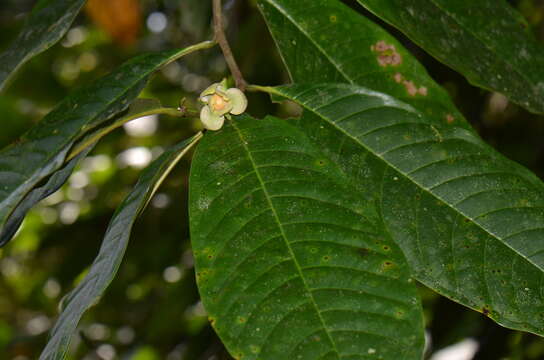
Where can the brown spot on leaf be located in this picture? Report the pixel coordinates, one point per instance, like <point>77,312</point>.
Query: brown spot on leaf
<point>387,265</point>
<point>411,88</point>
<point>382,46</point>
<point>450,119</point>
<point>387,54</point>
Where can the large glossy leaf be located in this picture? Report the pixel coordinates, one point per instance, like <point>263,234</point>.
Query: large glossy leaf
<point>291,263</point>
<point>46,146</point>
<point>470,222</point>
<point>485,40</point>
<point>305,34</point>
<point>326,41</point>
<point>103,270</point>
<point>46,24</point>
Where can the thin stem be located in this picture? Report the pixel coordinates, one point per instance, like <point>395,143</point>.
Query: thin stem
<point>258,88</point>
<point>221,39</point>
<point>190,49</point>
<point>99,133</point>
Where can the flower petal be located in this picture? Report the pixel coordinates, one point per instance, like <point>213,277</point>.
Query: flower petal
<point>205,99</point>
<point>210,90</point>
<point>211,121</point>
<point>238,100</point>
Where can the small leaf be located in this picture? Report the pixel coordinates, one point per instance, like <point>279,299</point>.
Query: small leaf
<point>47,145</point>
<point>291,263</point>
<point>106,264</point>
<point>469,221</point>
<point>485,40</point>
<point>47,23</point>
<point>325,41</point>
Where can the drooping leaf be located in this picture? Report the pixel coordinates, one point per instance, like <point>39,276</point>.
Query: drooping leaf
<point>111,253</point>
<point>139,108</point>
<point>37,194</point>
<point>291,263</point>
<point>487,41</point>
<point>46,146</point>
<point>326,41</point>
<point>47,23</point>
<point>469,221</point>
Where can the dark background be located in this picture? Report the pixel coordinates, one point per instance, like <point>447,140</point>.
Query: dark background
<point>152,309</point>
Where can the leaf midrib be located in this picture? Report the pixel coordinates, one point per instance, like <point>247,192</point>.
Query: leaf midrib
<point>284,236</point>
<point>396,169</point>
<point>303,31</point>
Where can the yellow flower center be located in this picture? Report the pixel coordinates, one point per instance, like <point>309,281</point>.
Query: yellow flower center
<point>218,103</point>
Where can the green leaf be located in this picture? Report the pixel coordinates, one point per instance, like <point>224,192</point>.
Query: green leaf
<point>306,37</point>
<point>326,41</point>
<point>485,40</point>
<point>469,221</point>
<point>291,263</point>
<point>38,194</point>
<point>46,147</point>
<point>103,270</point>
<point>46,25</point>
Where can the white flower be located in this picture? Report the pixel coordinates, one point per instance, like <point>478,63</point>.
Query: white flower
<point>220,102</point>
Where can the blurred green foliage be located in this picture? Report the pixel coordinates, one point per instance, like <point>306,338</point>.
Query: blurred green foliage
<point>152,309</point>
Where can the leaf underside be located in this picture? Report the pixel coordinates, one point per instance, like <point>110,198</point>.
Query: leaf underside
<point>306,33</point>
<point>46,25</point>
<point>290,262</point>
<point>111,253</point>
<point>469,221</point>
<point>487,41</point>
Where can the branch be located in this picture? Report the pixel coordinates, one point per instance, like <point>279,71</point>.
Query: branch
<point>221,39</point>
